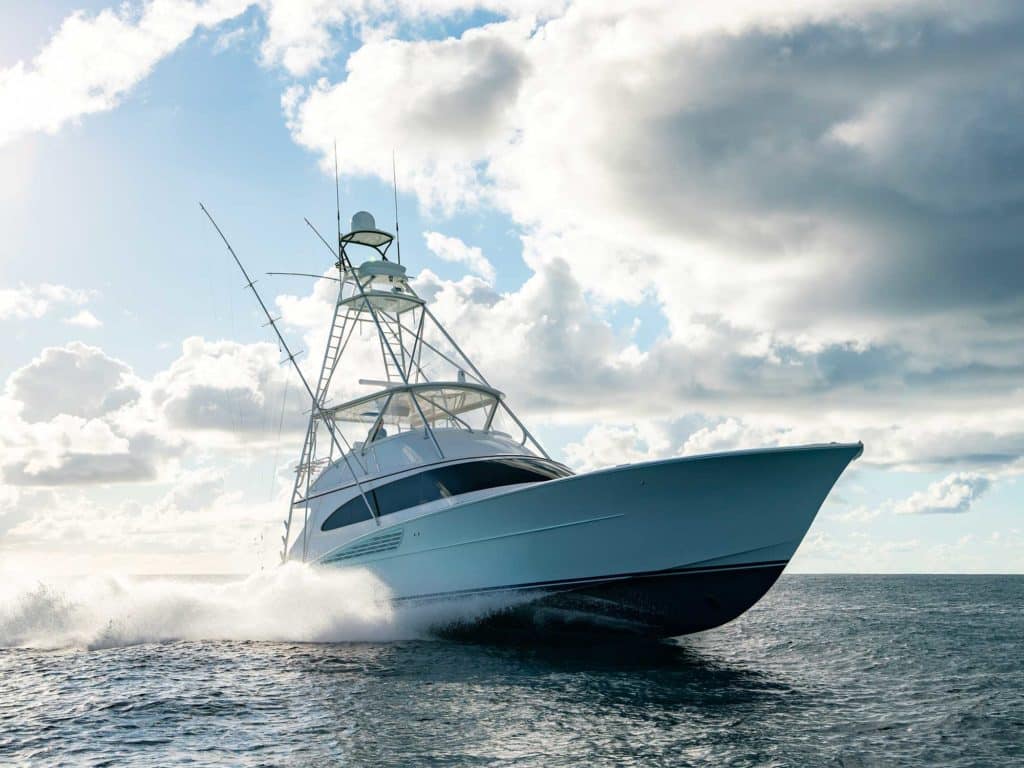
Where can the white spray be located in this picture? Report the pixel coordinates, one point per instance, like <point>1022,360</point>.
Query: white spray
<point>293,603</point>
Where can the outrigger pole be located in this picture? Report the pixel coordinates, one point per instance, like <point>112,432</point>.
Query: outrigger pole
<point>337,198</point>
<point>272,322</point>
<point>394,188</point>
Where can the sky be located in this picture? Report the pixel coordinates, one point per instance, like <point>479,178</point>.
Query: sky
<point>661,229</point>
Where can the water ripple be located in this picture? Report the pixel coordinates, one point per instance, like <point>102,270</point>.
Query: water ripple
<point>842,671</point>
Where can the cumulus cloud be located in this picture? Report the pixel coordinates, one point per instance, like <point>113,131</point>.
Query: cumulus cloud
<point>75,416</point>
<point>733,186</point>
<point>818,198</point>
<point>227,387</point>
<point>68,421</point>
<point>731,435</point>
<point>454,250</point>
<point>72,450</point>
<point>194,513</point>
<point>561,361</point>
<point>128,460</point>
<point>95,59</point>
<point>860,551</point>
<point>14,509</point>
<point>832,261</point>
<point>777,200</point>
<point>233,38</point>
<point>84,319</point>
<point>32,302</point>
<point>92,61</point>
<point>953,494</point>
<point>556,346</point>
<point>606,445</point>
<point>444,103</point>
<point>860,514</point>
<point>76,380</point>
<point>301,35</point>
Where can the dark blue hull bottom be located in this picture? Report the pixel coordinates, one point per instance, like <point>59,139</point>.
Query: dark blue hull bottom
<point>655,605</point>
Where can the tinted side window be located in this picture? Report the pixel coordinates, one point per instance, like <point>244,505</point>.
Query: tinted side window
<point>433,484</point>
<point>352,511</point>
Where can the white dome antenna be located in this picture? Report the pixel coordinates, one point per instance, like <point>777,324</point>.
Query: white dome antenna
<point>364,232</point>
<point>363,221</point>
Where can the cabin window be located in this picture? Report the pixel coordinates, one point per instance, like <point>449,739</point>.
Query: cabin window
<point>433,484</point>
<point>350,512</point>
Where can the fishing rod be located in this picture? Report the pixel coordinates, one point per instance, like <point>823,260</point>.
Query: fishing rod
<point>284,345</point>
<point>304,274</point>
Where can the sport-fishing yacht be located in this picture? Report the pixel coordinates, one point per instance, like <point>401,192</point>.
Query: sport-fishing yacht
<point>430,480</point>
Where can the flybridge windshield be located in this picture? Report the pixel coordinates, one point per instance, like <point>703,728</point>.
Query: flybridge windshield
<point>440,403</point>
<point>437,405</point>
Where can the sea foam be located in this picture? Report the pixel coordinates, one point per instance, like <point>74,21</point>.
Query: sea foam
<point>293,603</point>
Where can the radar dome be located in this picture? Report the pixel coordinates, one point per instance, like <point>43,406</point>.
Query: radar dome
<point>363,221</point>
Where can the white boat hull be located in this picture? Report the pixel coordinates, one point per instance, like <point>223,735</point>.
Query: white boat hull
<point>661,548</point>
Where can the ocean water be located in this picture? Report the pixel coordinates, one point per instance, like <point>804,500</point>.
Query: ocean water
<point>292,668</point>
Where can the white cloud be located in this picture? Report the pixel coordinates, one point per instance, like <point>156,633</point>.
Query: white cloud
<point>860,514</point>
<point>92,61</point>
<point>75,416</point>
<point>301,34</point>
<point>95,59</point>
<point>70,450</point>
<point>812,194</point>
<point>14,509</point>
<point>640,136</point>
<point>859,551</point>
<point>659,195</point>
<point>454,250</point>
<point>704,160</point>
<point>444,104</point>
<point>954,494</point>
<point>28,302</point>
<point>84,319</point>
<point>230,389</point>
<point>732,435</point>
<point>75,380</point>
<point>195,512</point>
<point>233,38</point>
<point>606,445</point>
<point>561,361</point>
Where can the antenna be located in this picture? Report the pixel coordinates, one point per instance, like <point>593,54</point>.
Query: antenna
<point>394,186</point>
<point>337,197</point>
<point>284,345</point>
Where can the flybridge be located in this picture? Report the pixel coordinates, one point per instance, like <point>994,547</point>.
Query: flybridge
<point>424,382</point>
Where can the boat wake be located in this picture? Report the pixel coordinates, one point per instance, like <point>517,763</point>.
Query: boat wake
<point>293,603</point>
